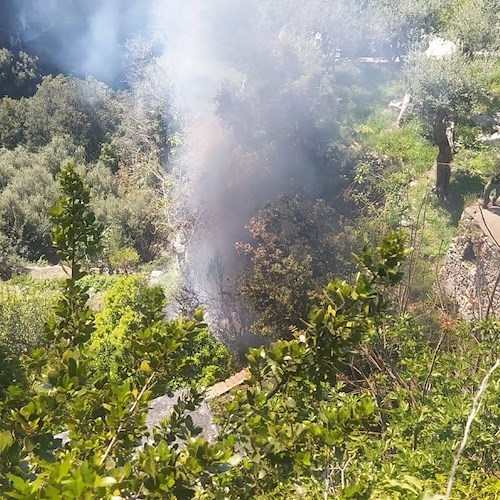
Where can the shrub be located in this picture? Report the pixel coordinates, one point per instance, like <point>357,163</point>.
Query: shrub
<point>11,371</point>
<point>295,250</point>
<point>23,315</point>
<point>23,211</point>
<point>124,259</point>
<point>127,308</point>
<point>82,109</point>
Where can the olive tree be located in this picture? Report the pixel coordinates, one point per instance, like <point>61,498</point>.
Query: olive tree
<point>17,71</point>
<point>445,90</point>
<point>399,25</point>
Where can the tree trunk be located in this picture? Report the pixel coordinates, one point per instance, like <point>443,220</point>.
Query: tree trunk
<point>443,137</point>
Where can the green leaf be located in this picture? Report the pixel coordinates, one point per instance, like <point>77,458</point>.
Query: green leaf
<point>6,440</point>
<point>306,458</point>
<point>17,482</point>
<point>105,482</point>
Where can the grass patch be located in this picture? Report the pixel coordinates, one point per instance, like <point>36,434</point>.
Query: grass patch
<point>99,282</point>
<point>442,216</point>
<point>481,161</point>
<point>404,144</point>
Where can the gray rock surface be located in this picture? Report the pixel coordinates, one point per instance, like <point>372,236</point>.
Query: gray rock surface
<point>161,407</point>
<point>468,277</point>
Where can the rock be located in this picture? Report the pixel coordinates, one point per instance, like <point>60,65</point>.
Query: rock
<point>490,139</point>
<point>161,408</point>
<point>155,276</point>
<point>468,277</point>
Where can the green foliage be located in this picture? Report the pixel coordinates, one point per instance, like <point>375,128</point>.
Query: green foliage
<point>451,84</point>
<point>482,161</point>
<point>23,211</point>
<point>133,216</point>
<point>125,259</point>
<point>380,191</point>
<point>475,25</point>
<point>105,419</point>
<point>75,231</point>
<point>427,403</point>
<point>12,130</point>
<point>127,307</point>
<point>401,24</point>
<point>306,425</point>
<point>27,190</point>
<point>82,109</point>
<point>16,71</point>
<point>294,420</point>
<point>10,263</point>
<point>99,282</point>
<point>355,403</point>
<point>23,316</point>
<point>207,362</point>
<point>404,144</point>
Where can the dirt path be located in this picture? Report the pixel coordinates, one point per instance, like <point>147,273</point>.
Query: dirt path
<point>488,219</point>
<point>47,272</point>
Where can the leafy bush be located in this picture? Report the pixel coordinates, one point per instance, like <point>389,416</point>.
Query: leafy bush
<point>295,249</point>
<point>127,308</point>
<point>24,203</point>
<point>10,263</point>
<point>133,216</point>
<point>124,259</point>
<point>23,314</point>
<point>100,282</point>
<point>82,109</point>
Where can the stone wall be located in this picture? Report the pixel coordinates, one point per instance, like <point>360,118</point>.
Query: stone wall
<point>470,272</point>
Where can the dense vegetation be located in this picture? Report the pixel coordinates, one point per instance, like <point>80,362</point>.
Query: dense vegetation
<point>327,214</point>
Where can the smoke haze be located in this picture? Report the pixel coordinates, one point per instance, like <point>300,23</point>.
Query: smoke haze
<point>251,79</point>
<point>75,36</point>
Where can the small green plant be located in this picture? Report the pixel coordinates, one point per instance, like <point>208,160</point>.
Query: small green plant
<point>124,259</point>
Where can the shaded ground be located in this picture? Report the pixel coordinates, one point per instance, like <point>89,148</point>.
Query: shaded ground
<point>464,185</point>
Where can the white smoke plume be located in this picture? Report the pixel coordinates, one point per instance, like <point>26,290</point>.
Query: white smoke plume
<point>252,80</point>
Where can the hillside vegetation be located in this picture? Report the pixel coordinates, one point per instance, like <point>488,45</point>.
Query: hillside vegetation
<point>275,190</point>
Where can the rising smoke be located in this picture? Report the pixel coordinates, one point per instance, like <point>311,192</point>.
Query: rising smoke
<point>75,36</point>
<point>254,86</point>
<point>252,79</point>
